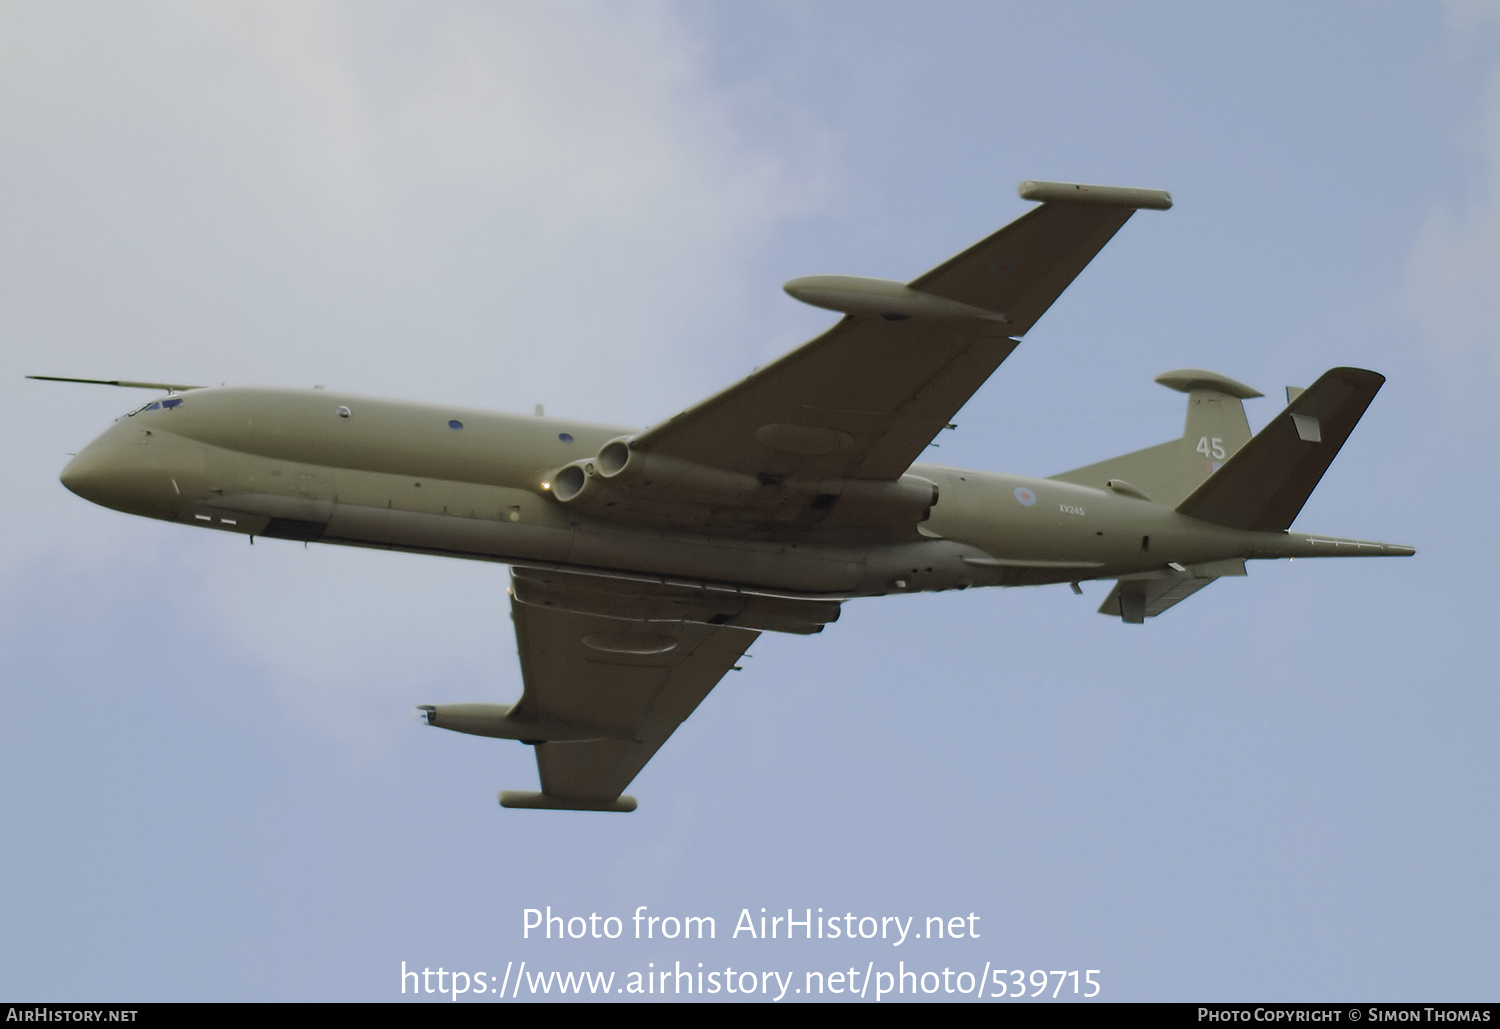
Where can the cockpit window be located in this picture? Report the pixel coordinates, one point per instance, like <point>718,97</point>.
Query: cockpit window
<point>157,405</point>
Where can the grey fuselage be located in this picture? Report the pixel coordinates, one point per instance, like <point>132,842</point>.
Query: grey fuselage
<point>323,466</point>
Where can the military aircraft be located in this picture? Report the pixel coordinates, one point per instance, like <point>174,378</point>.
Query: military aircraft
<point>644,564</point>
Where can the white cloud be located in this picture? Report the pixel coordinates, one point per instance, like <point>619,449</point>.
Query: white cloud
<point>1465,16</point>
<point>496,205</point>
<point>1449,286</point>
<point>468,196</point>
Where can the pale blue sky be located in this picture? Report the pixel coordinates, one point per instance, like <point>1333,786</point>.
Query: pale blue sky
<point>1283,789</point>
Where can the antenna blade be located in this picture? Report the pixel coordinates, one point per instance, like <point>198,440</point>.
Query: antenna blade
<point>170,387</point>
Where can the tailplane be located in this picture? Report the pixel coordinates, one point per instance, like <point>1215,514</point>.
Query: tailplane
<point>1138,597</point>
<point>1167,473</point>
<point>1261,488</point>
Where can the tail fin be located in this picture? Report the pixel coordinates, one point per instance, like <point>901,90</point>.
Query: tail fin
<point>1167,473</point>
<point>1265,485</point>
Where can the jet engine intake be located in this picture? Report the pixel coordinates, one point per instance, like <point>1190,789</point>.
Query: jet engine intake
<point>621,475</point>
<point>572,480</point>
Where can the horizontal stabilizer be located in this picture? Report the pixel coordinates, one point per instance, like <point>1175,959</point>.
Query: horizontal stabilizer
<point>1264,486</point>
<point>1135,600</point>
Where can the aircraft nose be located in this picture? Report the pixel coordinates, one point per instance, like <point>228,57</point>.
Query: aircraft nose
<point>131,471</point>
<point>87,476</point>
<point>122,478</point>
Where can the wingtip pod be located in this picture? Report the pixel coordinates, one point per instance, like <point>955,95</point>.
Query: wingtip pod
<point>1113,196</point>
<point>541,802</point>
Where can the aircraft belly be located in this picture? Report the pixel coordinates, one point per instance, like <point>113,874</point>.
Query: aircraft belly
<point>259,495</point>
<point>1066,533</point>
<point>447,534</point>
<point>986,529</point>
<point>791,569</point>
<point>680,555</point>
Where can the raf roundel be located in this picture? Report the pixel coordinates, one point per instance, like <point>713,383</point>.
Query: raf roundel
<point>1024,496</point>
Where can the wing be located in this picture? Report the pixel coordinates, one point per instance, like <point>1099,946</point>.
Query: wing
<point>863,400</point>
<point>630,680</point>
